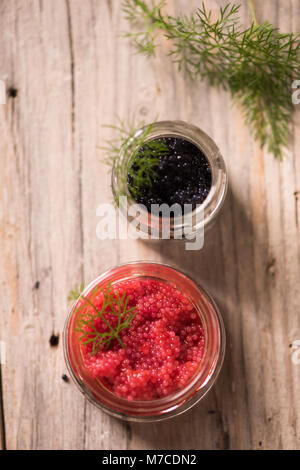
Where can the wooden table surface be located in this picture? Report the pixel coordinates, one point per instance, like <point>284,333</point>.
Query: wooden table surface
<point>72,72</point>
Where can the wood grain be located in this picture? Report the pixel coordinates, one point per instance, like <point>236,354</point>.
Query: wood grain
<point>73,73</point>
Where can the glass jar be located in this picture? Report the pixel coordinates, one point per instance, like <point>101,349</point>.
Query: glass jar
<point>196,387</point>
<point>205,214</point>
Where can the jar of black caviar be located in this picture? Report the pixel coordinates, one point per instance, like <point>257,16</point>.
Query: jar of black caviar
<point>175,165</point>
<point>169,358</point>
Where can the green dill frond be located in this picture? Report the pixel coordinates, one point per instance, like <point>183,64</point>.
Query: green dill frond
<point>257,64</point>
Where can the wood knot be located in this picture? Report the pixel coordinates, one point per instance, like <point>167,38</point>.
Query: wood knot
<point>271,267</point>
<point>144,111</point>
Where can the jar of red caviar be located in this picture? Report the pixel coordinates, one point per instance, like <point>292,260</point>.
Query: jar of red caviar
<point>193,172</point>
<point>171,353</point>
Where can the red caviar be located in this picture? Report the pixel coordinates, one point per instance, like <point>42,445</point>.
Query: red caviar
<point>163,345</point>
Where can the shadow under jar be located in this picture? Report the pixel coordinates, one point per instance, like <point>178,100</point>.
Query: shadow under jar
<point>172,351</point>
<point>193,168</point>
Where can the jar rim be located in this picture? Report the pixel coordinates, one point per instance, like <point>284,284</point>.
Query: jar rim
<point>177,402</point>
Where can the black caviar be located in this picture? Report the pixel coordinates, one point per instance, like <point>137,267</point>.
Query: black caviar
<point>182,175</point>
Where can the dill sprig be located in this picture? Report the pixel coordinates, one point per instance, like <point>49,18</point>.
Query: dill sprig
<point>257,64</point>
<point>133,156</point>
<point>113,303</point>
<point>75,293</point>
